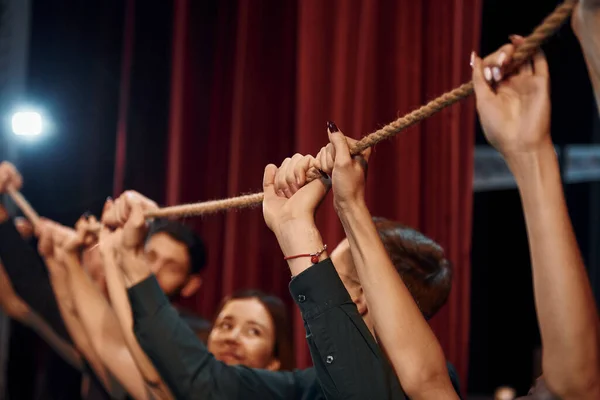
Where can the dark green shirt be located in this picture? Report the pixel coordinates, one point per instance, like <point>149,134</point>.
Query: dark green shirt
<point>348,364</point>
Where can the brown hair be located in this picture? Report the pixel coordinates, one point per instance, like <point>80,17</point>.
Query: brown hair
<point>282,350</point>
<point>420,262</point>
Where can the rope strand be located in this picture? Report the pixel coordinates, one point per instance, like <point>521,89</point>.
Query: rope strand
<point>546,29</point>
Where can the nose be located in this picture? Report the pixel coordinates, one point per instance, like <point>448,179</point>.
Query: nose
<point>233,335</point>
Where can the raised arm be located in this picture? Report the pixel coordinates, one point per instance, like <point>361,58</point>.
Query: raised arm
<point>182,360</point>
<point>64,298</point>
<point>96,316</point>
<point>516,119</point>
<point>119,302</point>
<point>411,346</point>
<point>586,25</point>
<point>17,309</point>
<point>334,326</point>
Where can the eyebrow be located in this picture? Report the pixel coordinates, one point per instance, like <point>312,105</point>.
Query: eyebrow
<point>231,318</point>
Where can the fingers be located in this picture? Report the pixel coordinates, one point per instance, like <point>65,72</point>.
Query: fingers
<point>495,64</point>
<point>516,40</point>
<point>45,243</point>
<point>9,177</point>
<point>117,213</point>
<point>365,154</point>
<point>300,170</point>
<point>540,64</point>
<point>483,91</point>
<point>290,176</point>
<point>24,227</point>
<point>280,181</point>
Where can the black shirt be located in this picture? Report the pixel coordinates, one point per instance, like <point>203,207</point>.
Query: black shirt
<point>348,362</point>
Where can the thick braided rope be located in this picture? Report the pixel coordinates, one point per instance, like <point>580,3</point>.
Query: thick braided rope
<point>546,29</point>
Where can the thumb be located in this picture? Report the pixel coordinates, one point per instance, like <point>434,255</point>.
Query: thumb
<point>483,91</point>
<point>134,230</point>
<point>269,180</point>
<point>340,146</point>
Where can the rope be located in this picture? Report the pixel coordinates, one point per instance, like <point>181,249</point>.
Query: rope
<point>545,30</point>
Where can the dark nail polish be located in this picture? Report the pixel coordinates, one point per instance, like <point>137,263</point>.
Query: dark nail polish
<point>86,215</point>
<point>109,198</point>
<point>332,127</point>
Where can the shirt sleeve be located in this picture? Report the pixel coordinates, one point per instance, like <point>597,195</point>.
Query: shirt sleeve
<point>187,366</point>
<point>348,362</point>
<point>29,277</point>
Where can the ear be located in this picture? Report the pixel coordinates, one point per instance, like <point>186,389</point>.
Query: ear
<point>192,286</point>
<point>274,365</point>
<point>361,303</point>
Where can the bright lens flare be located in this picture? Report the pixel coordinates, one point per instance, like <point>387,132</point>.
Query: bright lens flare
<point>27,123</point>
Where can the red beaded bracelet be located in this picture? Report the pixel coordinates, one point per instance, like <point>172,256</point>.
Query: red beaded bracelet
<point>314,257</point>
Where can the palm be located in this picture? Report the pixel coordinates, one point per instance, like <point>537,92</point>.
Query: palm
<point>517,117</point>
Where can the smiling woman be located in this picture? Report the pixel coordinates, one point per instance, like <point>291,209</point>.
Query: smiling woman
<point>252,329</point>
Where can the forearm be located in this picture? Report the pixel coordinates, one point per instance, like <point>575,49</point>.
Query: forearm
<point>122,308</point>
<point>62,348</point>
<point>101,326</point>
<point>587,29</point>
<point>82,342</point>
<point>412,347</point>
<point>297,237</point>
<point>564,300</point>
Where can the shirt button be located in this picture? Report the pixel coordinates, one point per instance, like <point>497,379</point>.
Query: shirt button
<point>301,298</point>
<point>329,359</point>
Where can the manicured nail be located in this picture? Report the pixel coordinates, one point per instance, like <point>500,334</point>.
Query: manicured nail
<point>109,198</point>
<point>332,127</point>
<point>501,59</point>
<point>472,62</point>
<point>86,215</point>
<point>497,74</point>
<point>487,74</point>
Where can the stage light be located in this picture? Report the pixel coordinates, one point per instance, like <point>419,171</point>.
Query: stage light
<point>27,123</point>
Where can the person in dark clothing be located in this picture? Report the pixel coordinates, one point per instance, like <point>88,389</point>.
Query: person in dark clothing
<point>342,346</point>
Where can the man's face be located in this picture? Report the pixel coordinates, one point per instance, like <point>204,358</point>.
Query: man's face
<point>169,260</point>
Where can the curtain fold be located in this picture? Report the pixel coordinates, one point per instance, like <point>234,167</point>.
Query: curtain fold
<point>254,82</point>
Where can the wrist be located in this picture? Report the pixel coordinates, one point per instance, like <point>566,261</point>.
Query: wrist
<point>346,209</point>
<point>300,237</point>
<point>134,267</point>
<point>522,163</point>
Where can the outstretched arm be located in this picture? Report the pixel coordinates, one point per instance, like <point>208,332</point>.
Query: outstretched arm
<point>119,301</point>
<point>586,25</point>
<point>516,119</point>
<point>17,309</point>
<point>409,342</point>
<point>93,310</point>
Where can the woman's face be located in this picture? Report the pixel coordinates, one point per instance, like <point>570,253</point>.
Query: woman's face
<point>244,334</point>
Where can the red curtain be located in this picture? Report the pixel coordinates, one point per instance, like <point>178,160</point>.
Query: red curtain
<point>255,81</point>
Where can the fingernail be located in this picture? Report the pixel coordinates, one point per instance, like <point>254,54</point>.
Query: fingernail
<point>501,59</point>
<point>487,74</point>
<point>497,74</point>
<point>332,127</point>
<point>86,215</point>
<point>109,198</point>
<point>512,37</point>
<point>472,62</point>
